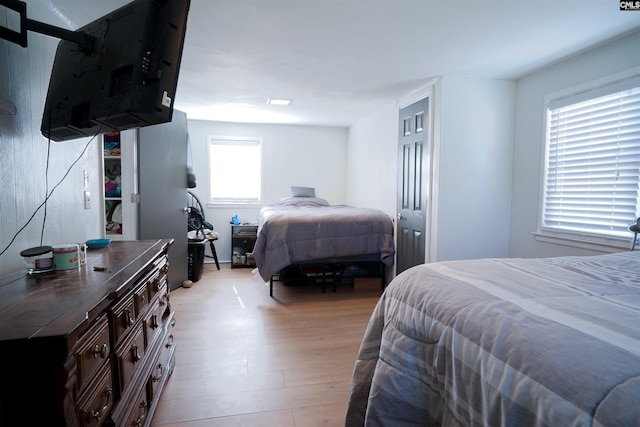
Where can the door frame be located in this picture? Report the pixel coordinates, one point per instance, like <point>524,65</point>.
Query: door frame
<point>431,90</point>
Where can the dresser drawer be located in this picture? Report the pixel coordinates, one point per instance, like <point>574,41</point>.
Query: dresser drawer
<point>92,351</point>
<point>123,317</point>
<point>165,362</point>
<point>153,323</point>
<point>156,283</point>
<point>168,346</point>
<point>139,415</point>
<point>141,298</point>
<point>96,404</point>
<point>157,378</point>
<point>159,288</point>
<point>129,356</point>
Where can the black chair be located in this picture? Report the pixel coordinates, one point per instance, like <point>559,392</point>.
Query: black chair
<point>198,227</point>
<point>635,229</point>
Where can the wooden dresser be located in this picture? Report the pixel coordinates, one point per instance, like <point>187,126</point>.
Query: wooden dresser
<point>89,348</point>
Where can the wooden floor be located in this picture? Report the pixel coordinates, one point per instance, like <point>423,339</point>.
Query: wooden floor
<point>245,359</point>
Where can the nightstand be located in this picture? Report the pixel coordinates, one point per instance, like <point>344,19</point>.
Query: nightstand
<point>243,239</point>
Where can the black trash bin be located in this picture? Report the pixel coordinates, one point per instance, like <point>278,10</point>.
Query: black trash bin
<point>195,258</point>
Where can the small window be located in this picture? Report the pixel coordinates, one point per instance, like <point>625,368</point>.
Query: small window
<point>235,170</point>
<point>592,163</point>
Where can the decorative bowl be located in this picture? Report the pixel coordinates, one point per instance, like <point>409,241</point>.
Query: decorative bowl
<point>97,243</point>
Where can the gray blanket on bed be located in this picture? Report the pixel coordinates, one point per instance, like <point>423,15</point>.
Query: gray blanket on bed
<point>301,230</point>
<point>504,342</point>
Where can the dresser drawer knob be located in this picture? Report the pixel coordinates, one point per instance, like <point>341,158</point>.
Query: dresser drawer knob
<point>140,420</point>
<point>101,351</point>
<point>97,415</point>
<point>164,299</point>
<point>169,341</point>
<point>154,321</point>
<point>158,377</point>
<point>136,355</point>
<point>128,317</point>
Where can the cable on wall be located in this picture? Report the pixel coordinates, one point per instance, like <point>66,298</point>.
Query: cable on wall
<point>49,194</point>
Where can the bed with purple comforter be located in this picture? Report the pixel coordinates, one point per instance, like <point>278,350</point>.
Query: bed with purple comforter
<point>302,229</point>
<point>504,342</point>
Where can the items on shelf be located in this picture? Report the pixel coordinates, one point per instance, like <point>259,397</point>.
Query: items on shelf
<point>113,215</point>
<point>111,144</point>
<point>113,181</point>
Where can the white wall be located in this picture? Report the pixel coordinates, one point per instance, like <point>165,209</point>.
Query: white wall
<point>24,77</point>
<point>529,135</point>
<point>308,156</point>
<point>372,162</point>
<point>472,137</point>
<point>479,125</point>
<point>473,175</point>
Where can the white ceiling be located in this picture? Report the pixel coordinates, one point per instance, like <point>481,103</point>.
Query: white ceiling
<point>339,59</point>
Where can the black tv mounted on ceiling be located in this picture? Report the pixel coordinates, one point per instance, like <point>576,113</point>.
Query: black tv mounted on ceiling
<point>118,72</point>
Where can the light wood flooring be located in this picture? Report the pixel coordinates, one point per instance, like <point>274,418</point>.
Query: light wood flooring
<point>245,359</point>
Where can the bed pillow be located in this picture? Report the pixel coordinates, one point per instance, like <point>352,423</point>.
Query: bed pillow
<point>303,201</point>
<point>303,191</point>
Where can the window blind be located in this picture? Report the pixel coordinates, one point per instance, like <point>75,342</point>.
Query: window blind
<point>592,176</point>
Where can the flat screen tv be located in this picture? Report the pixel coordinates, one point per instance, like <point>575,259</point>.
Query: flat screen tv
<point>127,80</point>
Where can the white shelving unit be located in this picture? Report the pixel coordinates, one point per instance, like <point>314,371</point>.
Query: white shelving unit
<point>120,185</point>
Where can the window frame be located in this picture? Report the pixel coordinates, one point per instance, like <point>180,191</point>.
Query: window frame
<point>581,239</point>
<point>234,202</point>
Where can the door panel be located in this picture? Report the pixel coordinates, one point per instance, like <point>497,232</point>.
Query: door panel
<point>413,175</point>
<point>162,154</point>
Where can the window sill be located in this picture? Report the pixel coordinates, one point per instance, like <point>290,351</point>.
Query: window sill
<point>219,205</point>
<point>611,245</point>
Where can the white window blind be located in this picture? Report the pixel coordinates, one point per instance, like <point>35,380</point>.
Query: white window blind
<point>592,174</point>
<point>235,170</point>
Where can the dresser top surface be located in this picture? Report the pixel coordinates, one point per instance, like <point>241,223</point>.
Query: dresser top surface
<point>58,303</point>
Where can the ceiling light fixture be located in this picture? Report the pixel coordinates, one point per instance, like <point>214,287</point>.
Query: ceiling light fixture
<point>277,101</point>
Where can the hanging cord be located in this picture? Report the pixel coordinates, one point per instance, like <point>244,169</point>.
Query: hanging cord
<point>46,178</point>
<point>49,195</point>
<point>46,187</point>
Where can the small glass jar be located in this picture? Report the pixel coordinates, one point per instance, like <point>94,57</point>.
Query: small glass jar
<point>38,259</point>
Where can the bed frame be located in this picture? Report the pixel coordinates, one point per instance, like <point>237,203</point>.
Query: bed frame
<point>327,271</point>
